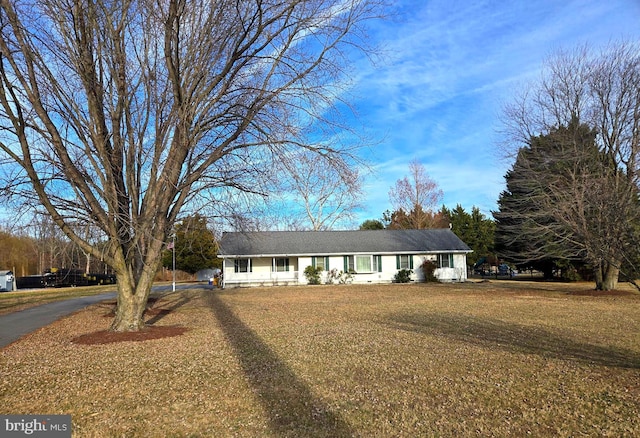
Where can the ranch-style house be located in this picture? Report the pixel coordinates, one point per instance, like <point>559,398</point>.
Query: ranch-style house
<point>368,256</point>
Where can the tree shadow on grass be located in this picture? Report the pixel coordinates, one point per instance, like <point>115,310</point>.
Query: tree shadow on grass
<point>292,408</point>
<point>496,334</point>
<point>170,302</point>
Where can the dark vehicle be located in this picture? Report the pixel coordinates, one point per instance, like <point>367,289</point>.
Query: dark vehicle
<point>74,277</point>
<point>65,278</point>
<point>482,267</point>
<point>30,282</point>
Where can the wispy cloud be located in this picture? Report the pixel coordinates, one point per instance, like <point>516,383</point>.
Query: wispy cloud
<point>449,66</point>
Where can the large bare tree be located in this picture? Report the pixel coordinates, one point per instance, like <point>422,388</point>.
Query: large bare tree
<point>324,193</point>
<point>414,199</point>
<point>122,112</point>
<point>594,210</point>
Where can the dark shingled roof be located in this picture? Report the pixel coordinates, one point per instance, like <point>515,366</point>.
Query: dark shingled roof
<point>271,243</point>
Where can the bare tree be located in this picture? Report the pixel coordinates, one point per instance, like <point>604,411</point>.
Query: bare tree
<point>124,112</point>
<point>599,211</point>
<point>596,210</point>
<point>50,240</point>
<point>415,198</point>
<point>325,191</point>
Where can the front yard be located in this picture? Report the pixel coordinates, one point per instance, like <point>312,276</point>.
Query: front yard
<point>476,359</point>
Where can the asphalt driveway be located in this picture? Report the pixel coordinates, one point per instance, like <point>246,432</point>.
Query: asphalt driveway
<point>17,324</point>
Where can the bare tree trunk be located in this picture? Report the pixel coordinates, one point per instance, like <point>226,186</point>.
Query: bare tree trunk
<point>607,276</point>
<point>130,309</point>
<point>610,281</point>
<point>133,292</point>
<point>599,276</point>
<point>87,266</point>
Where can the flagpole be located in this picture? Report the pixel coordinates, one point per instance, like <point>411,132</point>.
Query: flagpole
<point>173,249</point>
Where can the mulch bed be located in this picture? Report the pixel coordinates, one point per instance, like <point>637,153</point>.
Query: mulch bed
<point>148,333</point>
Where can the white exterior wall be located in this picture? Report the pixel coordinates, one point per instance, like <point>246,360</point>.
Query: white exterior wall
<point>337,263</point>
<point>457,273</point>
<point>303,262</point>
<point>460,266</point>
<point>263,275</point>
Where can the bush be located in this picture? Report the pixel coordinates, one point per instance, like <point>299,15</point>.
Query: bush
<point>339,277</point>
<point>428,268</point>
<point>312,274</point>
<point>403,276</point>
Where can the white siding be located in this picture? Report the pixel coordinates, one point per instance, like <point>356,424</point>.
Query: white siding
<point>262,273</point>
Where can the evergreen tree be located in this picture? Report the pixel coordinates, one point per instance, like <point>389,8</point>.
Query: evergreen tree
<point>579,196</point>
<point>562,206</point>
<point>474,228</point>
<point>195,246</point>
<point>372,224</point>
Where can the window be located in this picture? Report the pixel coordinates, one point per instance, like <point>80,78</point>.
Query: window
<point>242,265</point>
<point>280,265</point>
<point>320,262</point>
<point>349,266</point>
<point>445,260</point>
<point>362,264</point>
<point>404,262</point>
<point>377,263</point>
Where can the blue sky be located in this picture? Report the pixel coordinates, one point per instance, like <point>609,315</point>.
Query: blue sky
<point>449,67</point>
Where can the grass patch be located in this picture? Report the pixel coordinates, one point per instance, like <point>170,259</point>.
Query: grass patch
<point>488,359</point>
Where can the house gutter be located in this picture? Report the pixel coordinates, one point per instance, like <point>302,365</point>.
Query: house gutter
<point>235,256</point>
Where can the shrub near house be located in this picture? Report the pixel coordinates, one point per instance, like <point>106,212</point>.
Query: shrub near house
<point>312,274</point>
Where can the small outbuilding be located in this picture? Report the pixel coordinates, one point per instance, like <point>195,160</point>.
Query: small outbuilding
<point>368,256</point>
<point>7,281</point>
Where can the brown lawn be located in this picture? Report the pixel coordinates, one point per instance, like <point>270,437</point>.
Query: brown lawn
<point>497,358</point>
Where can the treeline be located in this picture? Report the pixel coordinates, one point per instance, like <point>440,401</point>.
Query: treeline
<point>48,249</point>
<point>26,255</point>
